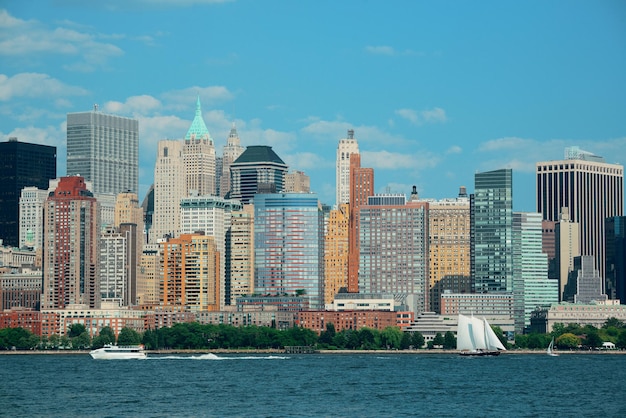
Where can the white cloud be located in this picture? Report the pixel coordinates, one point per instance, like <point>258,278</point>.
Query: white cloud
<point>420,117</point>
<point>385,160</point>
<point>35,85</point>
<point>380,50</point>
<point>333,131</point>
<point>454,149</point>
<point>306,161</point>
<point>185,98</point>
<point>134,105</point>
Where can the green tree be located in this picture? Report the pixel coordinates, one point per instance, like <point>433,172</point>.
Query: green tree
<point>449,341</point>
<point>326,336</point>
<point>417,340</point>
<point>391,337</point>
<point>74,330</point>
<point>128,336</point>
<point>613,322</point>
<point>567,340</point>
<point>405,343</point>
<point>81,342</point>
<point>621,340</point>
<point>593,340</point>
<point>106,336</point>
<point>438,340</point>
<point>558,329</point>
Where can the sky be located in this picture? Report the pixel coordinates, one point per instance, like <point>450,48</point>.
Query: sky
<point>435,91</point>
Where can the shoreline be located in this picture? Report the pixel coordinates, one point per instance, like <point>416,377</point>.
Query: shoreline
<point>342,352</point>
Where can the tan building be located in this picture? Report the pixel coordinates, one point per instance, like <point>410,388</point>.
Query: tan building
<point>150,275</point>
<point>449,248</point>
<point>169,188</point>
<point>297,182</point>
<point>477,304</point>
<point>199,156</point>
<point>336,252</point>
<point>240,255</point>
<point>57,321</point>
<point>581,314</point>
<point>191,265</point>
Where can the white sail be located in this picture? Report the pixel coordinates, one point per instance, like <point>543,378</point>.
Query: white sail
<point>492,340</point>
<point>464,336</point>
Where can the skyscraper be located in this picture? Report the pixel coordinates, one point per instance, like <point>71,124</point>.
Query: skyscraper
<point>393,245</point>
<point>239,279</point>
<point>361,187</point>
<point>491,226</point>
<point>257,170</point>
<point>71,265</point>
<point>616,258</point>
<point>104,149</point>
<point>289,246</point>
<point>567,246</point>
<point>199,156</point>
<point>336,252</point>
<point>346,147</point>
<point>232,151</point>
<point>531,286</point>
<point>21,165</point>
<point>169,189</point>
<point>590,188</point>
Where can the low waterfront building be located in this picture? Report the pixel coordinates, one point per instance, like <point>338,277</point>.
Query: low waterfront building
<point>342,320</point>
<point>58,321</point>
<point>26,318</point>
<point>595,314</point>
<point>273,319</point>
<point>477,304</point>
<point>362,302</point>
<point>20,288</point>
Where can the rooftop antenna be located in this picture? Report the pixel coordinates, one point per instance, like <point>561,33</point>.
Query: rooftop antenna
<point>95,107</point>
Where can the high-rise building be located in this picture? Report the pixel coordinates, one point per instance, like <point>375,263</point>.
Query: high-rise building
<point>336,252</point>
<point>104,149</point>
<point>361,187</point>
<point>257,170</point>
<point>346,147</point>
<point>615,229</point>
<point>150,275</point>
<point>289,246</point>
<point>210,215</point>
<point>22,165</point>
<point>393,245</point>
<point>239,278</point>
<point>567,246</point>
<point>590,188</point>
<point>449,248</point>
<point>32,201</point>
<point>297,182</point>
<point>584,284</point>
<point>71,264</point>
<point>531,286</point>
<point>169,189</point>
<point>491,226</point>
<point>191,273</point>
<point>199,156</point>
<point>118,264</point>
<point>232,151</point>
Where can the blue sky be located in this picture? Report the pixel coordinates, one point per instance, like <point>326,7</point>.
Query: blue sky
<point>435,91</point>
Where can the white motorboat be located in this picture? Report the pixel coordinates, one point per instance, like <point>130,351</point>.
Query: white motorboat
<point>115,352</point>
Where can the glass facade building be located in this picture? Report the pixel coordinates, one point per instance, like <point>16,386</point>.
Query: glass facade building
<point>257,170</point>
<point>289,246</point>
<point>491,236</point>
<point>104,149</point>
<point>616,258</point>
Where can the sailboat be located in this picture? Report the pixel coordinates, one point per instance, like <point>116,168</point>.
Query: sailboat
<point>474,337</point>
<point>550,350</point>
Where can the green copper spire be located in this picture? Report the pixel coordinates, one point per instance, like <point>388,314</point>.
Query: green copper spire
<point>198,129</point>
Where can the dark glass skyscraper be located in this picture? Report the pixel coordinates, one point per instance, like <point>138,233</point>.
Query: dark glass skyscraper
<point>257,170</point>
<point>491,236</point>
<point>22,165</point>
<point>615,244</point>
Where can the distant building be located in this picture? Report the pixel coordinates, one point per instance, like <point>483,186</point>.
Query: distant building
<point>297,182</point>
<point>584,284</point>
<point>20,288</point>
<point>257,170</point>
<point>32,201</point>
<point>22,165</point>
<point>71,264</point>
<point>239,271</point>
<point>169,188</point>
<point>615,228</point>
<point>491,217</point>
<point>590,188</point>
<point>336,252</point>
<point>477,304</point>
<point>104,149</point>
<point>232,151</point>
<point>150,275</point>
<point>595,314</point>
<point>199,157</point>
<point>345,148</point>
<point>344,320</point>
<point>567,247</point>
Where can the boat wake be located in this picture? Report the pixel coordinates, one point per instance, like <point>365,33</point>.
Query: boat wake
<point>211,356</point>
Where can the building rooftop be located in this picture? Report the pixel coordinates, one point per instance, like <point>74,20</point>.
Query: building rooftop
<point>258,154</point>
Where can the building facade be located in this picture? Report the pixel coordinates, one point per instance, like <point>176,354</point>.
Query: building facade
<point>289,246</point>
<point>336,252</point>
<point>491,224</point>
<point>239,278</point>
<point>104,149</point>
<point>71,263</point>
<point>590,188</point>
<point>32,201</point>
<point>297,182</point>
<point>22,165</point>
<point>257,170</point>
<point>615,269</point>
<point>232,151</point>
<point>345,148</point>
<point>169,188</point>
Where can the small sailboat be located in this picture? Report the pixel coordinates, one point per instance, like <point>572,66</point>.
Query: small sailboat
<point>550,350</point>
<point>474,337</point>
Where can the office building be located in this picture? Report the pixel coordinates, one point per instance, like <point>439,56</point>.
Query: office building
<point>199,157</point>
<point>71,263</point>
<point>615,229</point>
<point>104,149</point>
<point>32,201</point>
<point>361,187</point>
<point>590,188</point>
<point>289,246</point>
<point>491,226</point>
<point>232,151</point>
<point>531,286</point>
<point>346,147</point>
<point>567,246</point>
<point>150,275</point>
<point>257,170</point>
<point>297,182</point>
<point>585,285</point>
<point>169,188</point>
<point>239,276</point>
<point>393,246</point>
<point>118,265</point>
<point>22,165</point>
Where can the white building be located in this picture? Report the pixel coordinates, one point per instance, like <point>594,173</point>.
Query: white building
<point>232,151</point>
<point>346,147</point>
<point>32,200</point>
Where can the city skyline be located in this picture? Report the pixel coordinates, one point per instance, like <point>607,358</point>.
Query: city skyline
<point>434,93</point>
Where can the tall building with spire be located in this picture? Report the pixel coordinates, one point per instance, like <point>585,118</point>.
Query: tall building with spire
<point>592,190</point>
<point>232,151</point>
<point>346,147</point>
<point>104,149</point>
<point>199,156</point>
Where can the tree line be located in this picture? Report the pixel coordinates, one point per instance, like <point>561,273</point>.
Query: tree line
<point>198,336</point>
